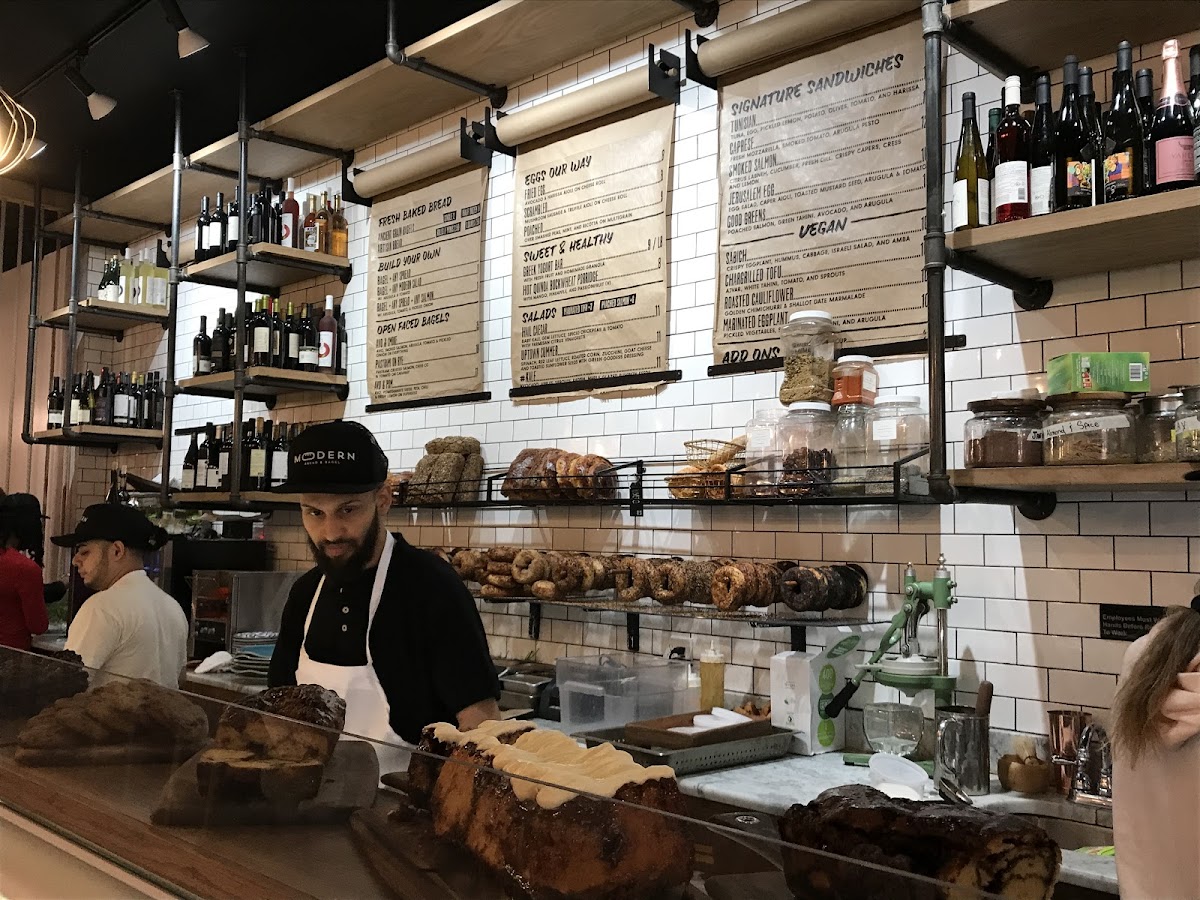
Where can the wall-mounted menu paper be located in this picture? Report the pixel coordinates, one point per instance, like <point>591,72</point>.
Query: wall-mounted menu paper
<point>589,287</point>
<point>823,197</point>
<point>423,291</point>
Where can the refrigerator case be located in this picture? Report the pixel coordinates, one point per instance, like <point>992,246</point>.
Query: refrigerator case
<point>231,610</point>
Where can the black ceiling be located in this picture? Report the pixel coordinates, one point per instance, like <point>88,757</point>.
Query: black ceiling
<point>295,48</point>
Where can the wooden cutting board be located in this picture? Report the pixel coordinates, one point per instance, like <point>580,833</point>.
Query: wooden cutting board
<point>348,784</point>
<point>107,755</point>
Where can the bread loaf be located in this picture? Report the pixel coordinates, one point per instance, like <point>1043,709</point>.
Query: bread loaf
<point>298,723</point>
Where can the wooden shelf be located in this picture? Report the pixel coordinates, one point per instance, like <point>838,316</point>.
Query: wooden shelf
<point>1008,25</point>
<point>1166,477</point>
<point>98,436</point>
<point>105,317</point>
<point>270,268</point>
<point>1139,232</point>
<point>265,383</point>
<point>250,500</point>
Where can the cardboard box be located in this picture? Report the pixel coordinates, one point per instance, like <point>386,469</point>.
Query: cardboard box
<point>1124,372</point>
<point>802,684</point>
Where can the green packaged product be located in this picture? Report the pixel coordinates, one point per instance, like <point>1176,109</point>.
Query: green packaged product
<point>1071,373</point>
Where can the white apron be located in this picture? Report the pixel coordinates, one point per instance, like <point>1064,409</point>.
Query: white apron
<point>367,705</point>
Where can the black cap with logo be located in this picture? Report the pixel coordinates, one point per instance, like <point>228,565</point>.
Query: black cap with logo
<point>335,458</point>
<point>110,522</point>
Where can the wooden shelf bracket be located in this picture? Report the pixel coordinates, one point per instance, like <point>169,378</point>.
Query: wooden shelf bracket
<point>1029,293</point>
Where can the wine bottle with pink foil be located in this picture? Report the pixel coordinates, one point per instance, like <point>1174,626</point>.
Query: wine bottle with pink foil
<point>1171,133</point>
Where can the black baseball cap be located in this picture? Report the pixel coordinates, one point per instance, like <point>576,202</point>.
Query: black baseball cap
<point>110,522</point>
<point>335,458</point>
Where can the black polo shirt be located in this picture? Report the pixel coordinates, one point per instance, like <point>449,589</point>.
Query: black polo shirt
<point>427,641</point>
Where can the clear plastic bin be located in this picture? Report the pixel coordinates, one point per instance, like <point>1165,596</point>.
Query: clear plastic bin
<point>613,689</point>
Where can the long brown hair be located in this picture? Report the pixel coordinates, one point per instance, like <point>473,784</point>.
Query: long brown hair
<point>1140,696</point>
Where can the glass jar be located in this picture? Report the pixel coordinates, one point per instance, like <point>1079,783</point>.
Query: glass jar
<point>850,448</point>
<point>1187,426</point>
<point>855,381</point>
<point>806,442</point>
<point>1003,432</point>
<point>763,456</point>
<point>899,428</point>
<point>1155,428</point>
<point>1088,429</point>
<point>808,342</point>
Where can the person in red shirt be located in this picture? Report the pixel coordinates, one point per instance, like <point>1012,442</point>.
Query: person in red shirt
<point>22,599</point>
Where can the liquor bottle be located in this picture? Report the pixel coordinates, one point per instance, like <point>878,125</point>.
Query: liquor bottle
<point>290,233</point>
<point>223,457</point>
<point>202,231</point>
<point>971,201</point>
<point>260,334</point>
<point>54,404</point>
<point>1010,181</point>
<point>278,347</point>
<point>1041,162</point>
<point>1171,133</point>
<point>233,221</point>
<point>343,346</point>
<point>311,232</point>
<point>1194,97</point>
<point>217,227</point>
<point>339,229</point>
<point>279,456</point>
<point>1091,121</point>
<point>309,351</point>
<point>327,338</point>
<point>128,280</point>
<point>122,403</point>
<point>1144,86</point>
<point>1124,139</point>
<point>254,449</point>
<point>202,458</point>
<point>202,350</point>
<point>291,333</point>
<point>1072,149</point>
<point>160,400</point>
<point>109,287</point>
<point>220,345</point>
<point>187,481</point>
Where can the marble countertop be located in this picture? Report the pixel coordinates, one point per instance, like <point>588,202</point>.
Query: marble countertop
<point>50,642</point>
<point>225,680</point>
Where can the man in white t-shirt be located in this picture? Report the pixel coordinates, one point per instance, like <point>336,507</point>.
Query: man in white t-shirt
<point>130,627</point>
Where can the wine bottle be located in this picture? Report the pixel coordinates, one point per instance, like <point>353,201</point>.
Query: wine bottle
<point>343,350</point>
<point>54,404</point>
<point>1144,87</point>
<point>101,410</point>
<point>339,229</point>
<point>1072,168</point>
<point>1041,163</point>
<point>213,481</point>
<point>76,400</point>
<point>1088,107</point>
<point>1010,182</point>
<point>327,337</point>
<point>1171,133</point>
<point>260,334</point>
<point>202,458</point>
<point>274,214</point>
<point>278,347</point>
<point>233,221</point>
<point>145,278</point>
<point>220,345</point>
<point>202,350</point>
<point>202,231</point>
<point>289,226</point>
<point>85,400</point>
<point>971,199</point>
<point>216,227</point>
<point>257,228</point>
<point>224,455</point>
<point>137,398</point>
<point>312,234</point>
<point>1124,139</point>
<point>187,481</point>
<point>324,222</point>
<point>160,400</point>
<point>309,352</point>
<point>254,449</point>
<point>109,288</point>
<point>1194,97</point>
<point>990,154</point>
<point>292,340</point>
<point>279,456</point>
<point>127,292</point>
<point>122,403</point>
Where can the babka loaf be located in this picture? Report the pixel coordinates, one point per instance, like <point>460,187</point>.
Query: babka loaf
<point>440,739</point>
<point>31,682</point>
<point>530,811</point>
<point>958,845</point>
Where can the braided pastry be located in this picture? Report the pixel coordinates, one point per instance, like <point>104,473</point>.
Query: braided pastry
<point>529,566</point>
<point>669,583</point>
<point>632,578</point>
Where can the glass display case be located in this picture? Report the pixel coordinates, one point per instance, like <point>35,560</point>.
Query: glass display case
<point>201,798</point>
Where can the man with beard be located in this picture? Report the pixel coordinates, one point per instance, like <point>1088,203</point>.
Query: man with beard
<point>389,627</point>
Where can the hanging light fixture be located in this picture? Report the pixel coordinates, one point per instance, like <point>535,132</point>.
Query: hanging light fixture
<point>189,41</point>
<point>99,105</point>
<point>18,133</point>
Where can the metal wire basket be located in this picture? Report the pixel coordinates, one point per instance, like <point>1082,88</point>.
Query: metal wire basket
<point>713,451</point>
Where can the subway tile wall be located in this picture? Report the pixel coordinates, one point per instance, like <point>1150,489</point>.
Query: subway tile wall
<point>1027,615</point>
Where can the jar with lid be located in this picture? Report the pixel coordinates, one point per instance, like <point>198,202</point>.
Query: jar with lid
<point>763,456</point>
<point>1003,432</point>
<point>899,428</point>
<point>806,442</point>
<point>855,381</point>
<point>1155,427</point>
<point>850,448</point>
<point>808,339</point>
<point>1187,425</point>
<point>1087,429</point>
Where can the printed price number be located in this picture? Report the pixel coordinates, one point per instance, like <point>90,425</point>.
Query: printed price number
<point>757,354</point>
<point>654,243</point>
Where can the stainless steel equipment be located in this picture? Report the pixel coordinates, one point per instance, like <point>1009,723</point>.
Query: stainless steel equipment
<point>1092,784</point>
<point>1066,728</point>
<point>698,759</point>
<point>962,755</point>
<point>231,610</point>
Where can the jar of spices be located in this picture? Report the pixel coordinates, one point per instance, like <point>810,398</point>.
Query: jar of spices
<point>899,429</point>
<point>1187,426</point>
<point>808,339</point>
<point>806,442</point>
<point>1004,432</point>
<point>850,447</point>
<point>1087,429</point>
<point>1155,427</point>
<point>763,456</point>
<point>855,380</point>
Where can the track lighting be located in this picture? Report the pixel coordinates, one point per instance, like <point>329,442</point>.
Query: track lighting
<point>99,105</point>
<point>189,41</point>
<point>18,130</point>
<point>36,147</point>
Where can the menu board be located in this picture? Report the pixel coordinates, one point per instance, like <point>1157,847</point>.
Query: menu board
<point>823,197</point>
<point>589,295</point>
<point>423,291</point>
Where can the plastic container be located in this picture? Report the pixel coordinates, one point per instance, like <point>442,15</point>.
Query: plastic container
<point>763,456</point>
<point>1088,429</point>
<point>809,340</point>
<point>1004,432</point>
<point>855,381</point>
<point>899,427</point>
<point>1187,426</point>
<point>613,689</point>
<point>712,678</point>
<point>1156,428</point>
<point>851,436</point>
<point>806,443</point>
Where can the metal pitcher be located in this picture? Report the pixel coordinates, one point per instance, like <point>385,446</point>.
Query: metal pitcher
<point>963,752</point>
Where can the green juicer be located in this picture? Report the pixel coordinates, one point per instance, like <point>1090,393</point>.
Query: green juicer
<point>898,662</point>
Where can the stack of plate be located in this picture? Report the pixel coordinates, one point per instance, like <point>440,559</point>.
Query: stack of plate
<point>252,662</point>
